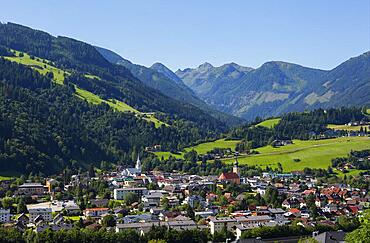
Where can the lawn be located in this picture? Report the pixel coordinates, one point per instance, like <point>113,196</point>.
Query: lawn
<point>345,127</point>
<point>38,64</point>
<point>202,148</point>
<point>73,218</point>
<point>270,123</point>
<point>312,153</point>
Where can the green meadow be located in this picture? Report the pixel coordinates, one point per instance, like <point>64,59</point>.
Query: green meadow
<point>270,123</point>
<point>3,178</point>
<point>202,148</point>
<point>38,64</point>
<point>116,105</point>
<point>311,153</point>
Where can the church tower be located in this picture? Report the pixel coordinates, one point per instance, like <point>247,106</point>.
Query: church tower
<point>236,169</point>
<point>138,164</point>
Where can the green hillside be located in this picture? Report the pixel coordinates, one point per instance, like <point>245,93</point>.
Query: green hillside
<point>270,123</point>
<point>44,67</point>
<point>311,153</point>
<point>117,105</point>
<point>202,148</point>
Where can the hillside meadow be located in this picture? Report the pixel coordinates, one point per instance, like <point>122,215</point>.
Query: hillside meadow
<point>311,153</point>
<point>270,123</point>
<point>202,148</point>
<point>345,127</point>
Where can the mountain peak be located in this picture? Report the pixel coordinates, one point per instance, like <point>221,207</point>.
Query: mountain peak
<point>205,66</point>
<point>158,65</point>
<point>162,69</point>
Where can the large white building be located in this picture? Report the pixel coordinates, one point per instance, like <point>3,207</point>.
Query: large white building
<point>46,214</point>
<point>5,215</point>
<point>119,193</point>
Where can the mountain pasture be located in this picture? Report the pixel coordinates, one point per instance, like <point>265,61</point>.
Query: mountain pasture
<point>302,154</point>
<point>41,65</point>
<point>202,148</point>
<point>270,123</point>
<point>345,127</point>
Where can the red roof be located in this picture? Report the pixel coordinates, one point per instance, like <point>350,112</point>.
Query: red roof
<point>295,210</point>
<point>228,176</point>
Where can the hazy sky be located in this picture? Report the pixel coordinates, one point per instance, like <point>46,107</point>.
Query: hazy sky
<point>180,34</point>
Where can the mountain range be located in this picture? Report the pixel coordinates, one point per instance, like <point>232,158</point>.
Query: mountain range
<point>273,89</point>
<point>161,78</point>
<point>279,87</point>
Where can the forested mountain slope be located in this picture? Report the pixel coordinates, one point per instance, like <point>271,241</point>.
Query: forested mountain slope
<point>66,105</point>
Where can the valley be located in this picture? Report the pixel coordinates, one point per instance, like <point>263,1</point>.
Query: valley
<point>96,148</point>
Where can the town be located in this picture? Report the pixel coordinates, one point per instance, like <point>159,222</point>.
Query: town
<point>226,205</point>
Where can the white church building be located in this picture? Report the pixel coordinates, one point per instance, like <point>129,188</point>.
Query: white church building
<point>133,171</point>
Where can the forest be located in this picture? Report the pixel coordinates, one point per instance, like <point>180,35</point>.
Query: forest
<point>45,128</point>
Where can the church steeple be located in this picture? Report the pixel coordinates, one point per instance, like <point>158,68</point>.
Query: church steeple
<point>236,166</point>
<point>138,163</point>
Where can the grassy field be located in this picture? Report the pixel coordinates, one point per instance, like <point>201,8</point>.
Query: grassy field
<point>3,178</point>
<point>270,123</point>
<point>38,64</point>
<point>116,105</point>
<point>312,154</point>
<point>92,76</point>
<point>345,127</point>
<point>202,148</point>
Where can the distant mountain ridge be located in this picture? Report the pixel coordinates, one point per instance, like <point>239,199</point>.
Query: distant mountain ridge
<point>159,77</point>
<point>278,87</point>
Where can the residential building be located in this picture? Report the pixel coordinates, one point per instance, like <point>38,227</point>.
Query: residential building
<point>119,193</point>
<point>29,189</point>
<point>95,212</point>
<point>218,223</point>
<point>45,213</point>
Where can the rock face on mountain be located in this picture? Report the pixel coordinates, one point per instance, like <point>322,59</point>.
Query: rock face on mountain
<point>278,87</point>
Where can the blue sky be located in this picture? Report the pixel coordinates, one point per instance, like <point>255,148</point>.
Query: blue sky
<point>180,34</point>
